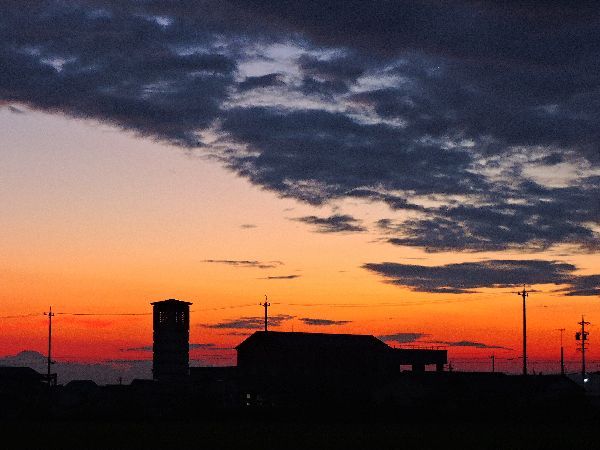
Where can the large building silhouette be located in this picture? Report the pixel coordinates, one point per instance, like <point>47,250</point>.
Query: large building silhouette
<point>321,354</point>
<point>171,347</point>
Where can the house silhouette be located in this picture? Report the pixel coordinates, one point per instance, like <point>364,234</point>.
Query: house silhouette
<point>273,353</point>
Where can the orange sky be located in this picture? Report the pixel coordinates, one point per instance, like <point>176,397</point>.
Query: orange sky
<point>98,221</point>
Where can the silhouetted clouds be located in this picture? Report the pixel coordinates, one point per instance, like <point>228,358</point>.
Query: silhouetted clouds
<point>145,348</point>
<point>250,323</point>
<point>337,223</point>
<point>148,348</point>
<point>280,277</point>
<point>471,344</point>
<point>201,345</point>
<point>95,61</point>
<point>323,322</point>
<point>246,263</point>
<point>584,285</point>
<point>344,157</point>
<point>451,113</point>
<point>14,109</point>
<point>402,338</point>
<point>272,79</point>
<point>463,278</point>
<point>547,217</point>
<point>329,77</point>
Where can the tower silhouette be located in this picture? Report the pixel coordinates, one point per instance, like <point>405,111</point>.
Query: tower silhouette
<point>171,348</point>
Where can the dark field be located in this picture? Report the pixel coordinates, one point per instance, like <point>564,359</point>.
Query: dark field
<point>279,434</point>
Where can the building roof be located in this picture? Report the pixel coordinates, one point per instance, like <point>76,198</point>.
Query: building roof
<point>82,385</point>
<point>170,301</point>
<point>22,374</point>
<point>312,340</point>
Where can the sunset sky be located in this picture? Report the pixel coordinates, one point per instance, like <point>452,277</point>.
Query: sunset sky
<point>397,168</point>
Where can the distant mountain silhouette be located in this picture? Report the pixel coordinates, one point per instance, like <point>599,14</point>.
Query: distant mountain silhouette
<point>107,372</point>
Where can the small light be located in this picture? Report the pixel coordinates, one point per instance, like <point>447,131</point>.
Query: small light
<point>585,380</point>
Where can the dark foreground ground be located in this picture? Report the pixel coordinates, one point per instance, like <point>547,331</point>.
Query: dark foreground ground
<point>414,411</point>
<point>299,434</point>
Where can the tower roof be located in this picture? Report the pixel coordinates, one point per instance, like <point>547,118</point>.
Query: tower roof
<point>170,301</point>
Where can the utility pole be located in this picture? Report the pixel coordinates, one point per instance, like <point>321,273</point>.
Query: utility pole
<point>524,294</point>
<point>50,314</point>
<point>562,352</point>
<point>493,358</point>
<point>266,305</point>
<point>583,337</point>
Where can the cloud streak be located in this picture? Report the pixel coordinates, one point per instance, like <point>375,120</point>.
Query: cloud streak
<point>280,277</point>
<point>464,278</point>
<point>403,338</point>
<point>323,322</point>
<point>245,263</point>
<point>471,344</point>
<point>337,223</point>
<point>249,323</point>
<point>148,348</point>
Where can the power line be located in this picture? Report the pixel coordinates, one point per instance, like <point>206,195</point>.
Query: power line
<point>102,314</point>
<point>20,316</point>
<point>524,293</point>
<point>224,307</point>
<point>266,305</point>
<point>68,313</point>
<point>247,305</point>
<point>583,337</point>
<point>50,314</point>
<point>382,305</point>
<point>562,352</point>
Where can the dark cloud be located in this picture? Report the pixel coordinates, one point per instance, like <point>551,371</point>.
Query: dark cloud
<point>584,285</point>
<point>15,110</point>
<point>336,223</point>
<point>466,277</point>
<point>317,155</point>
<point>344,68</point>
<point>280,277</point>
<point>328,77</point>
<point>470,344</point>
<point>245,263</point>
<point>250,323</point>
<point>201,345</point>
<point>113,66</point>
<point>263,81</point>
<point>145,348</point>
<point>529,33</point>
<point>346,157</point>
<point>148,348</point>
<point>402,338</point>
<point>451,111</point>
<point>247,226</point>
<point>518,74</point>
<point>549,216</point>
<point>323,322</point>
